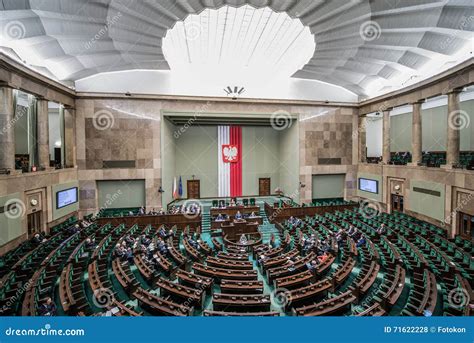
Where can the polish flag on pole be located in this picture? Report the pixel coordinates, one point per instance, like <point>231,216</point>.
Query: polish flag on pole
<point>175,189</point>
<point>229,139</point>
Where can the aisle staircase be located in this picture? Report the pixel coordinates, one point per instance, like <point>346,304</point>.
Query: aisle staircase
<point>206,221</point>
<point>267,229</point>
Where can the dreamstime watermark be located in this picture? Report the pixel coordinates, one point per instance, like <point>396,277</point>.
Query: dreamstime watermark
<point>458,298</point>
<point>14,208</point>
<point>191,208</point>
<point>458,120</point>
<point>14,30</point>
<point>46,331</point>
<point>103,297</point>
<point>111,198</point>
<point>281,120</point>
<point>179,132</point>
<point>464,201</point>
<point>280,298</point>
<point>363,127</point>
<point>13,299</point>
<point>192,31</point>
<point>277,212</point>
<point>103,31</point>
<point>370,209</point>
<point>12,122</point>
<point>370,30</point>
<point>201,287</point>
<point>103,120</point>
<point>464,25</point>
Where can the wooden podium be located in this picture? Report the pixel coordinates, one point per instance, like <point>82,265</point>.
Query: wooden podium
<point>234,230</point>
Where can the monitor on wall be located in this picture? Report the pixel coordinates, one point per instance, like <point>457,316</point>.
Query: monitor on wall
<point>368,185</point>
<point>66,197</point>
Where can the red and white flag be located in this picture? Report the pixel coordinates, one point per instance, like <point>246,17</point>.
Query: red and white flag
<point>175,189</point>
<point>229,139</point>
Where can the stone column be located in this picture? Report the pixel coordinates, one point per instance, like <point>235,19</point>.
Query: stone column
<point>43,134</point>
<point>386,137</point>
<point>362,140</point>
<point>453,139</point>
<point>7,129</point>
<point>416,134</point>
<point>69,137</point>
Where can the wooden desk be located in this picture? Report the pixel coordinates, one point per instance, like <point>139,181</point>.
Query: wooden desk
<point>234,230</point>
<point>241,287</point>
<point>276,214</point>
<point>179,220</point>
<point>241,302</point>
<point>216,225</point>
<point>232,210</point>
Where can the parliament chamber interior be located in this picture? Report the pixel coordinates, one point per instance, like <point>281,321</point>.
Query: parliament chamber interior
<point>236,158</point>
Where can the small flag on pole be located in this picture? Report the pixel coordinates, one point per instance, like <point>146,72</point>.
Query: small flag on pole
<point>175,189</point>
<point>180,188</point>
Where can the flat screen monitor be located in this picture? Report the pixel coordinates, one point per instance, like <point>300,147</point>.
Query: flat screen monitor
<point>66,197</point>
<point>368,185</point>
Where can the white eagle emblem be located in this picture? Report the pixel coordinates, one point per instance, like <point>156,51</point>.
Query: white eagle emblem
<point>229,153</point>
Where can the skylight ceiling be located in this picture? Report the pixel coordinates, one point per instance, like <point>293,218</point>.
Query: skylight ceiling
<point>367,47</point>
<point>238,46</point>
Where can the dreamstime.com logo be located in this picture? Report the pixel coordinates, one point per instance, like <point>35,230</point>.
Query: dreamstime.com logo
<point>458,120</point>
<point>458,298</point>
<point>370,209</point>
<point>14,208</point>
<point>281,120</point>
<point>192,214</point>
<point>281,298</point>
<point>46,331</point>
<point>103,298</point>
<point>370,30</point>
<point>103,120</point>
<point>14,30</point>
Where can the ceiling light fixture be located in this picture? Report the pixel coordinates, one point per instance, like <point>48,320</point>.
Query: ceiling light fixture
<point>234,92</point>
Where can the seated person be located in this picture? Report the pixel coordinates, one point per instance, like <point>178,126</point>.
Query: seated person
<point>161,211</point>
<point>238,215</point>
<point>233,202</point>
<point>220,218</point>
<point>141,211</point>
<point>339,239</point>
<point>291,264</point>
<point>324,246</point>
<point>38,239</point>
<point>243,239</point>
<point>261,259</point>
<point>162,231</point>
<point>193,243</point>
<point>351,229</point>
<point>48,308</point>
<point>252,215</point>
<point>128,254</point>
<point>90,243</point>
<point>155,261</point>
<point>144,240</point>
<point>119,251</point>
<point>361,241</point>
<point>382,229</point>
<point>272,242</point>
<point>312,266</point>
<point>129,239</point>
<point>323,258</point>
